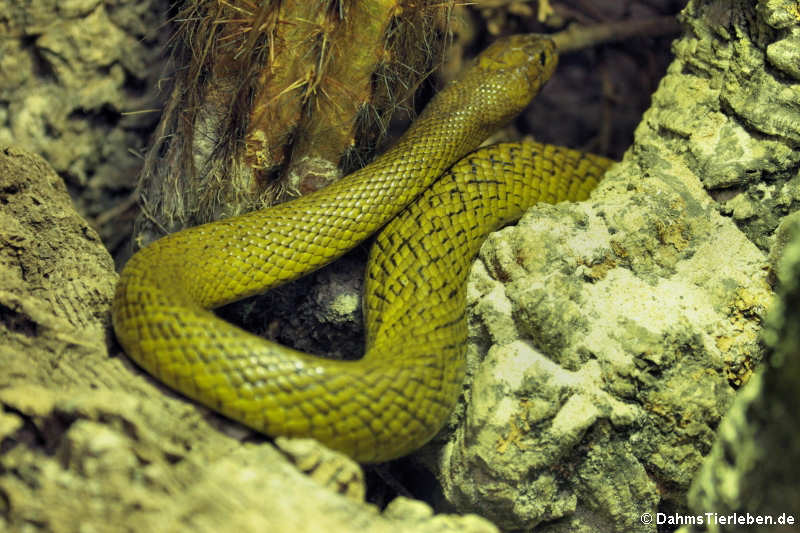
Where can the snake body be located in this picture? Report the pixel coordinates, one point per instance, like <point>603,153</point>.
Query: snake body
<point>399,394</point>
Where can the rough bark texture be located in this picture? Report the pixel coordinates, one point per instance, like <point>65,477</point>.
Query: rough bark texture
<point>751,474</point>
<point>78,86</point>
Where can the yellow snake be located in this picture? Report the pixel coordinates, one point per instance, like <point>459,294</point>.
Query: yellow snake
<point>399,394</point>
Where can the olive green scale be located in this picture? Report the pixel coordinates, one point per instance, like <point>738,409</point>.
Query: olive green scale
<point>436,215</point>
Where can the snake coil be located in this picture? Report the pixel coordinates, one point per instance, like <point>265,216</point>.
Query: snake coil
<point>399,394</point>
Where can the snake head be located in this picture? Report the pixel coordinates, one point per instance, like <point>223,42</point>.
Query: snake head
<point>525,62</point>
<point>506,76</point>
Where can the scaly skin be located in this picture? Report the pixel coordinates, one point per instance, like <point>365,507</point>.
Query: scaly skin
<point>398,395</point>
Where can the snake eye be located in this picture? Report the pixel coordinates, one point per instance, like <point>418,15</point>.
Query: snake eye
<point>543,58</point>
